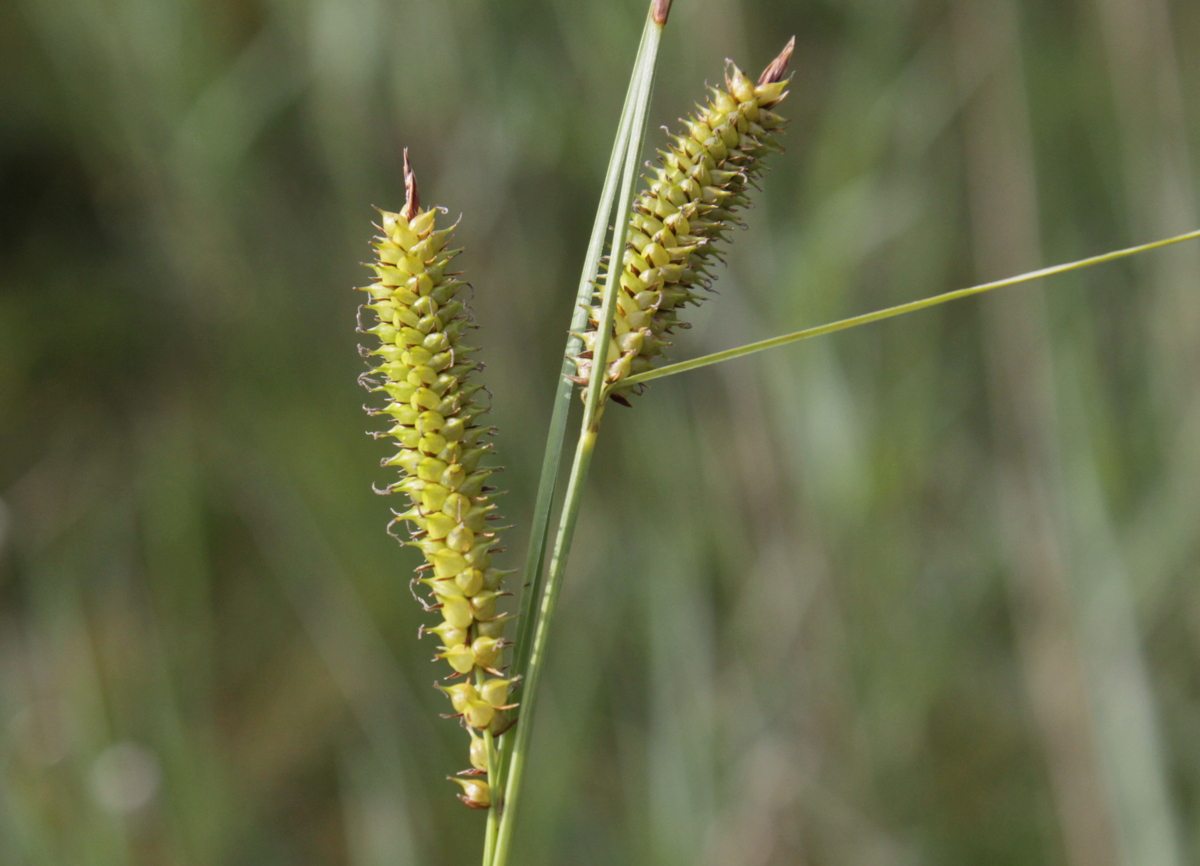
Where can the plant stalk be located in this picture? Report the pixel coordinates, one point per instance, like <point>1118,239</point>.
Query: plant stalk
<point>562,546</point>
<point>540,527</point>
<point>534,632</point>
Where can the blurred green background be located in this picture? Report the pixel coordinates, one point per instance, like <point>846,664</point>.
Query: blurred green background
<point>921,593</point>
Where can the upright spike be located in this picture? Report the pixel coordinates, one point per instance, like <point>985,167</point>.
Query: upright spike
<point>427,382</point>
<point>706,175</point>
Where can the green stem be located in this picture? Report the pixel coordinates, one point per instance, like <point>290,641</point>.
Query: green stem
<point>911,307</point>
<point>535,632</point>
<point>535,558</point>
<point>537,659</point>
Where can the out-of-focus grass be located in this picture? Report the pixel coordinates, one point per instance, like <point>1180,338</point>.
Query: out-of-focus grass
<point>921,593</point>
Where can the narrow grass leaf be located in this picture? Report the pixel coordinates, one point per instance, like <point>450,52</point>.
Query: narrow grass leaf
<point>626,154</point>
<point>556,438</point>
<point>910,307</point>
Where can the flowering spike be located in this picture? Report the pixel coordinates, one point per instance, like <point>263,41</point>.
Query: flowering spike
<point>424,370</point>
<point>703,179</point>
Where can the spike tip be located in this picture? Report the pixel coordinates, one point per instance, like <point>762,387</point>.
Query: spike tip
<point>412,199</point>
<point>778,67</point>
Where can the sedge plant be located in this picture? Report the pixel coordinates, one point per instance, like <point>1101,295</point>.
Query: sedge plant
<point>666,241</point>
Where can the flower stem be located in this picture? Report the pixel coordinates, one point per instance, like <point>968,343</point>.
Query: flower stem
<point>535,627</point>
<point>539,535</point>
<point>520,743</point>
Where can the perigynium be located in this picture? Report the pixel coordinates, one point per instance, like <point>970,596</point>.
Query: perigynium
<point>426,372</point>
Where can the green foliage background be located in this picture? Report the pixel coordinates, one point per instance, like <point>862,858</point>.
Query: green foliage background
<point>920,593</point>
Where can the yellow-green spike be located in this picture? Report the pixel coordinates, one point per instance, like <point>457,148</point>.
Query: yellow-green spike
<point>424,371</point>
<point>703,180</point>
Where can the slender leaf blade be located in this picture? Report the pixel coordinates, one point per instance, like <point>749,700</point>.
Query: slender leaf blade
<point>900,310</point>
<point>534,629</point>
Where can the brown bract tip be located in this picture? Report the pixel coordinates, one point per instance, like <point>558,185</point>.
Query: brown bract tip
<point>660,11</point>
<point>412,202</point>
<point>778,68</point>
